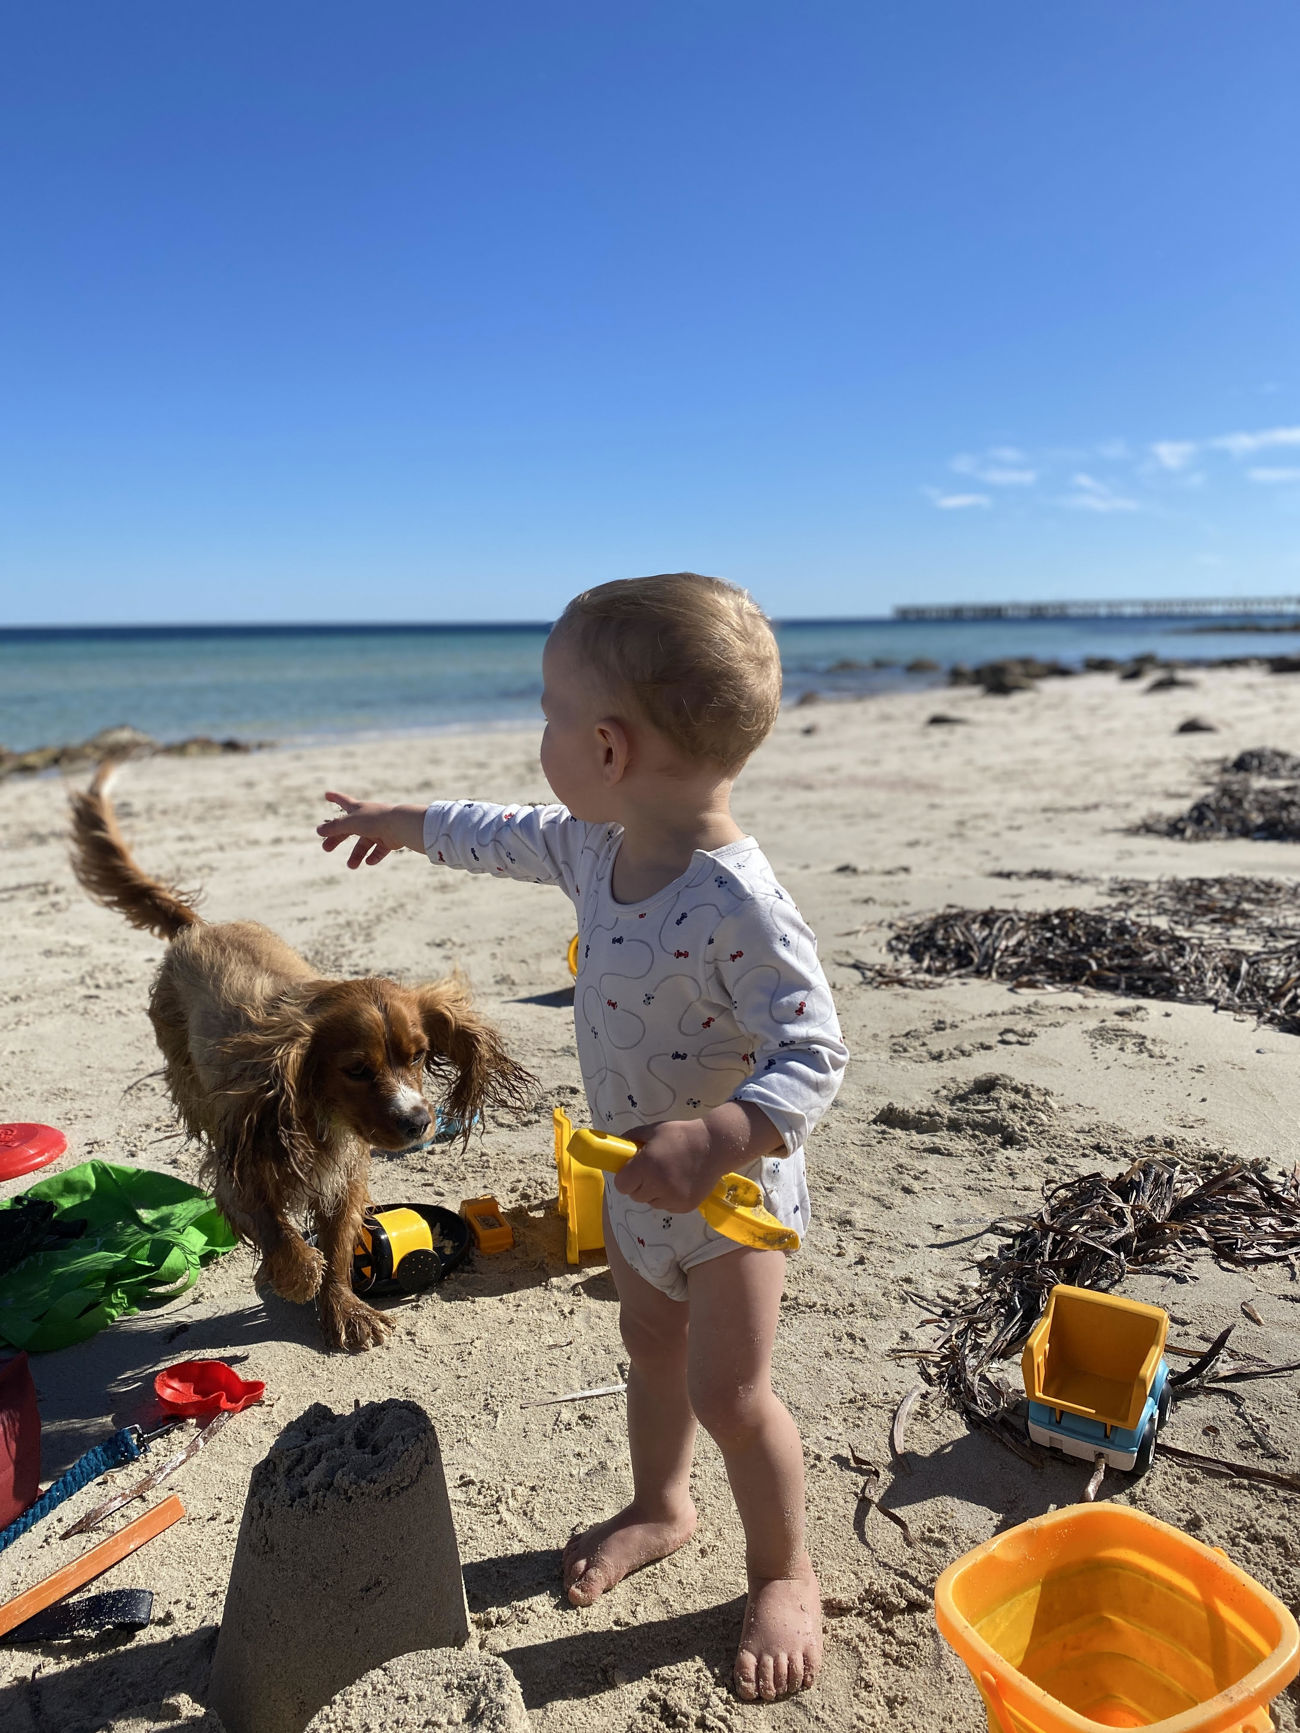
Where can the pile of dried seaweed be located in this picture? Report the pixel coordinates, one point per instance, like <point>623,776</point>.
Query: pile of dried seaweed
<point>1113,953</point>
<point>1256,795</point>
<point>1089,1232</point>
<point>1263,761</point>
<point>1236,806</point>
<point>1262,907</point>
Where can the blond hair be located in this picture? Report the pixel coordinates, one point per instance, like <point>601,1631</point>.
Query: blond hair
<point>696,656</point>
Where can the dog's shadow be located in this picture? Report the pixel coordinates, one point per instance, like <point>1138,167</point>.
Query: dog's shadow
<point>94,1387</point>
<point>106,1382</point>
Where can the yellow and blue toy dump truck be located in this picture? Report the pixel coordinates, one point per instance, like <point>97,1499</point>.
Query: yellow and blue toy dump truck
<point>1096,1378</point>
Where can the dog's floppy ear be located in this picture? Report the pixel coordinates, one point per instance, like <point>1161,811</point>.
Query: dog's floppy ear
<point>269,1101</point>
<point>464,1044</point>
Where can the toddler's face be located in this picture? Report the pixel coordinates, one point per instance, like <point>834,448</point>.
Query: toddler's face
<point>572,754</point>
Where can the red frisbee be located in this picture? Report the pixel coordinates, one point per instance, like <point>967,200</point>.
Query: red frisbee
<point>205,1387</point>
<point>24,1148</point>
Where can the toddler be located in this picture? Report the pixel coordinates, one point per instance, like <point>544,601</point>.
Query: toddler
<point>706,1035</point>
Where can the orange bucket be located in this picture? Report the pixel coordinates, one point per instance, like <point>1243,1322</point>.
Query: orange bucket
<point>1097,1616</point>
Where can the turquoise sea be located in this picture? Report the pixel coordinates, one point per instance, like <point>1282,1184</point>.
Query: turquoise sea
<point>284,683</point>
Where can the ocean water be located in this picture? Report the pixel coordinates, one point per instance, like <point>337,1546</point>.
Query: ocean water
<point>289,683</point>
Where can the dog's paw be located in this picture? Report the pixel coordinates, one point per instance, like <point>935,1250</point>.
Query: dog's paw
<point>352,1324</point>
<point>294,1270</point>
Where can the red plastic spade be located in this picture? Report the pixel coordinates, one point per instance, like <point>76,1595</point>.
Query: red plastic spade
<point>205,1387</point>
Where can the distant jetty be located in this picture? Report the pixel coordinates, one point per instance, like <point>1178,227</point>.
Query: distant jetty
<point>1164,607</point>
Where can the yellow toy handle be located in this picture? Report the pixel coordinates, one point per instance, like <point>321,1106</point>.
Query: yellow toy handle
<point>734,1208</point>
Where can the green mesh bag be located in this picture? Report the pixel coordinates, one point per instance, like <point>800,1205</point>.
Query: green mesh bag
<point>146,1238</point>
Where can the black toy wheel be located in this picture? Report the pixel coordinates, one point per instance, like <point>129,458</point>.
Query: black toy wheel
<point>1165,1403</point>
<point>418,1270</point>
<point>1147,1449</point>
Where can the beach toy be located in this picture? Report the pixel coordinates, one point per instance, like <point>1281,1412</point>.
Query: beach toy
<point>582,1194</point>
<point>446,1126</point>
<point>24,1148</point>
<point>734,1208</point>
<point>206,1387</point>
<point>1099,1616</point>
<point>1095,1379</point>
<point>405,1248</point>
<point>491,1231</point>
<point>573,956</point>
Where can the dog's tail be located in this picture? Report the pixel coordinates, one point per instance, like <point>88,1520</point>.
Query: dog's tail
<point>107,871</point>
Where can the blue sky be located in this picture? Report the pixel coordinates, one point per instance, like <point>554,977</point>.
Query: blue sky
<point>433,311</point>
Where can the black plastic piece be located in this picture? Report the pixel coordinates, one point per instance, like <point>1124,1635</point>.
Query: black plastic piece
<point>117,1609</point>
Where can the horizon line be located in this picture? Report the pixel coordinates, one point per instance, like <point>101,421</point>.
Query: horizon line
<point>370,625</point>
<point>903,614</point>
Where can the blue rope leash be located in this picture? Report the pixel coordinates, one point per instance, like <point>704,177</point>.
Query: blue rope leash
<point>122,1447</point>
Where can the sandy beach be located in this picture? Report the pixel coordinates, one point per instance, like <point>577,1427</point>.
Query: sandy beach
<point>869,816</point>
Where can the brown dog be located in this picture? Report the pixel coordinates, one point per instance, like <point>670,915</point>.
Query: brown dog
<point>287,1079</point>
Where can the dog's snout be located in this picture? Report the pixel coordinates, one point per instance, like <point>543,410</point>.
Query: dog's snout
<point>415,1120</point>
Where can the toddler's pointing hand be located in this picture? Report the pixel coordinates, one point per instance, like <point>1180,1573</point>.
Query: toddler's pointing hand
<point>378,829</point>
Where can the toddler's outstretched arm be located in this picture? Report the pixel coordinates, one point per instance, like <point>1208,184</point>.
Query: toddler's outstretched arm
<point>379,830</point>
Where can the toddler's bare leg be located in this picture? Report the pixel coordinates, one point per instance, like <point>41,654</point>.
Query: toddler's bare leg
<point>661,1438</point>
<point>734,1301</point>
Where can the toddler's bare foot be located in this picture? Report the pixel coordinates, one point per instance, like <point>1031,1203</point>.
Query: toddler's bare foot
<point>602,1556</point>
<point>781,1644</point>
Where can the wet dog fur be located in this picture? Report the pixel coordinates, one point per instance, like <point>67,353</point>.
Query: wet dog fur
<point>286,1079</point>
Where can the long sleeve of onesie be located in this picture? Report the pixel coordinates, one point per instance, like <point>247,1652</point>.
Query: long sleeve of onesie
<point>540,844</point>
<point>765,955</point>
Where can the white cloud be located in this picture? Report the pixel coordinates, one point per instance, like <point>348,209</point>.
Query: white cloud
<point>1009,477</point>
<point>1246,444</point>
<point>1145,470</point>
<point>1174,453</point>
<point>1094,495</point>
<point>995,469</point>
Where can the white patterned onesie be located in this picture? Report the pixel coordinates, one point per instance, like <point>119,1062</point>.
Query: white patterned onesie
<point>709,991</point>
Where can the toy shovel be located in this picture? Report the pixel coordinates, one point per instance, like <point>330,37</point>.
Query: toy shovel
<point>733,1208</point>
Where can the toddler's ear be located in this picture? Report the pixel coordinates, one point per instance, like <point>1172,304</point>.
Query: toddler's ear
<point>615,749</point>
<point>464,1045</point>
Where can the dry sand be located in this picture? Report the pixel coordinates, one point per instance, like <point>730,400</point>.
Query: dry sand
<point>868,815</point>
